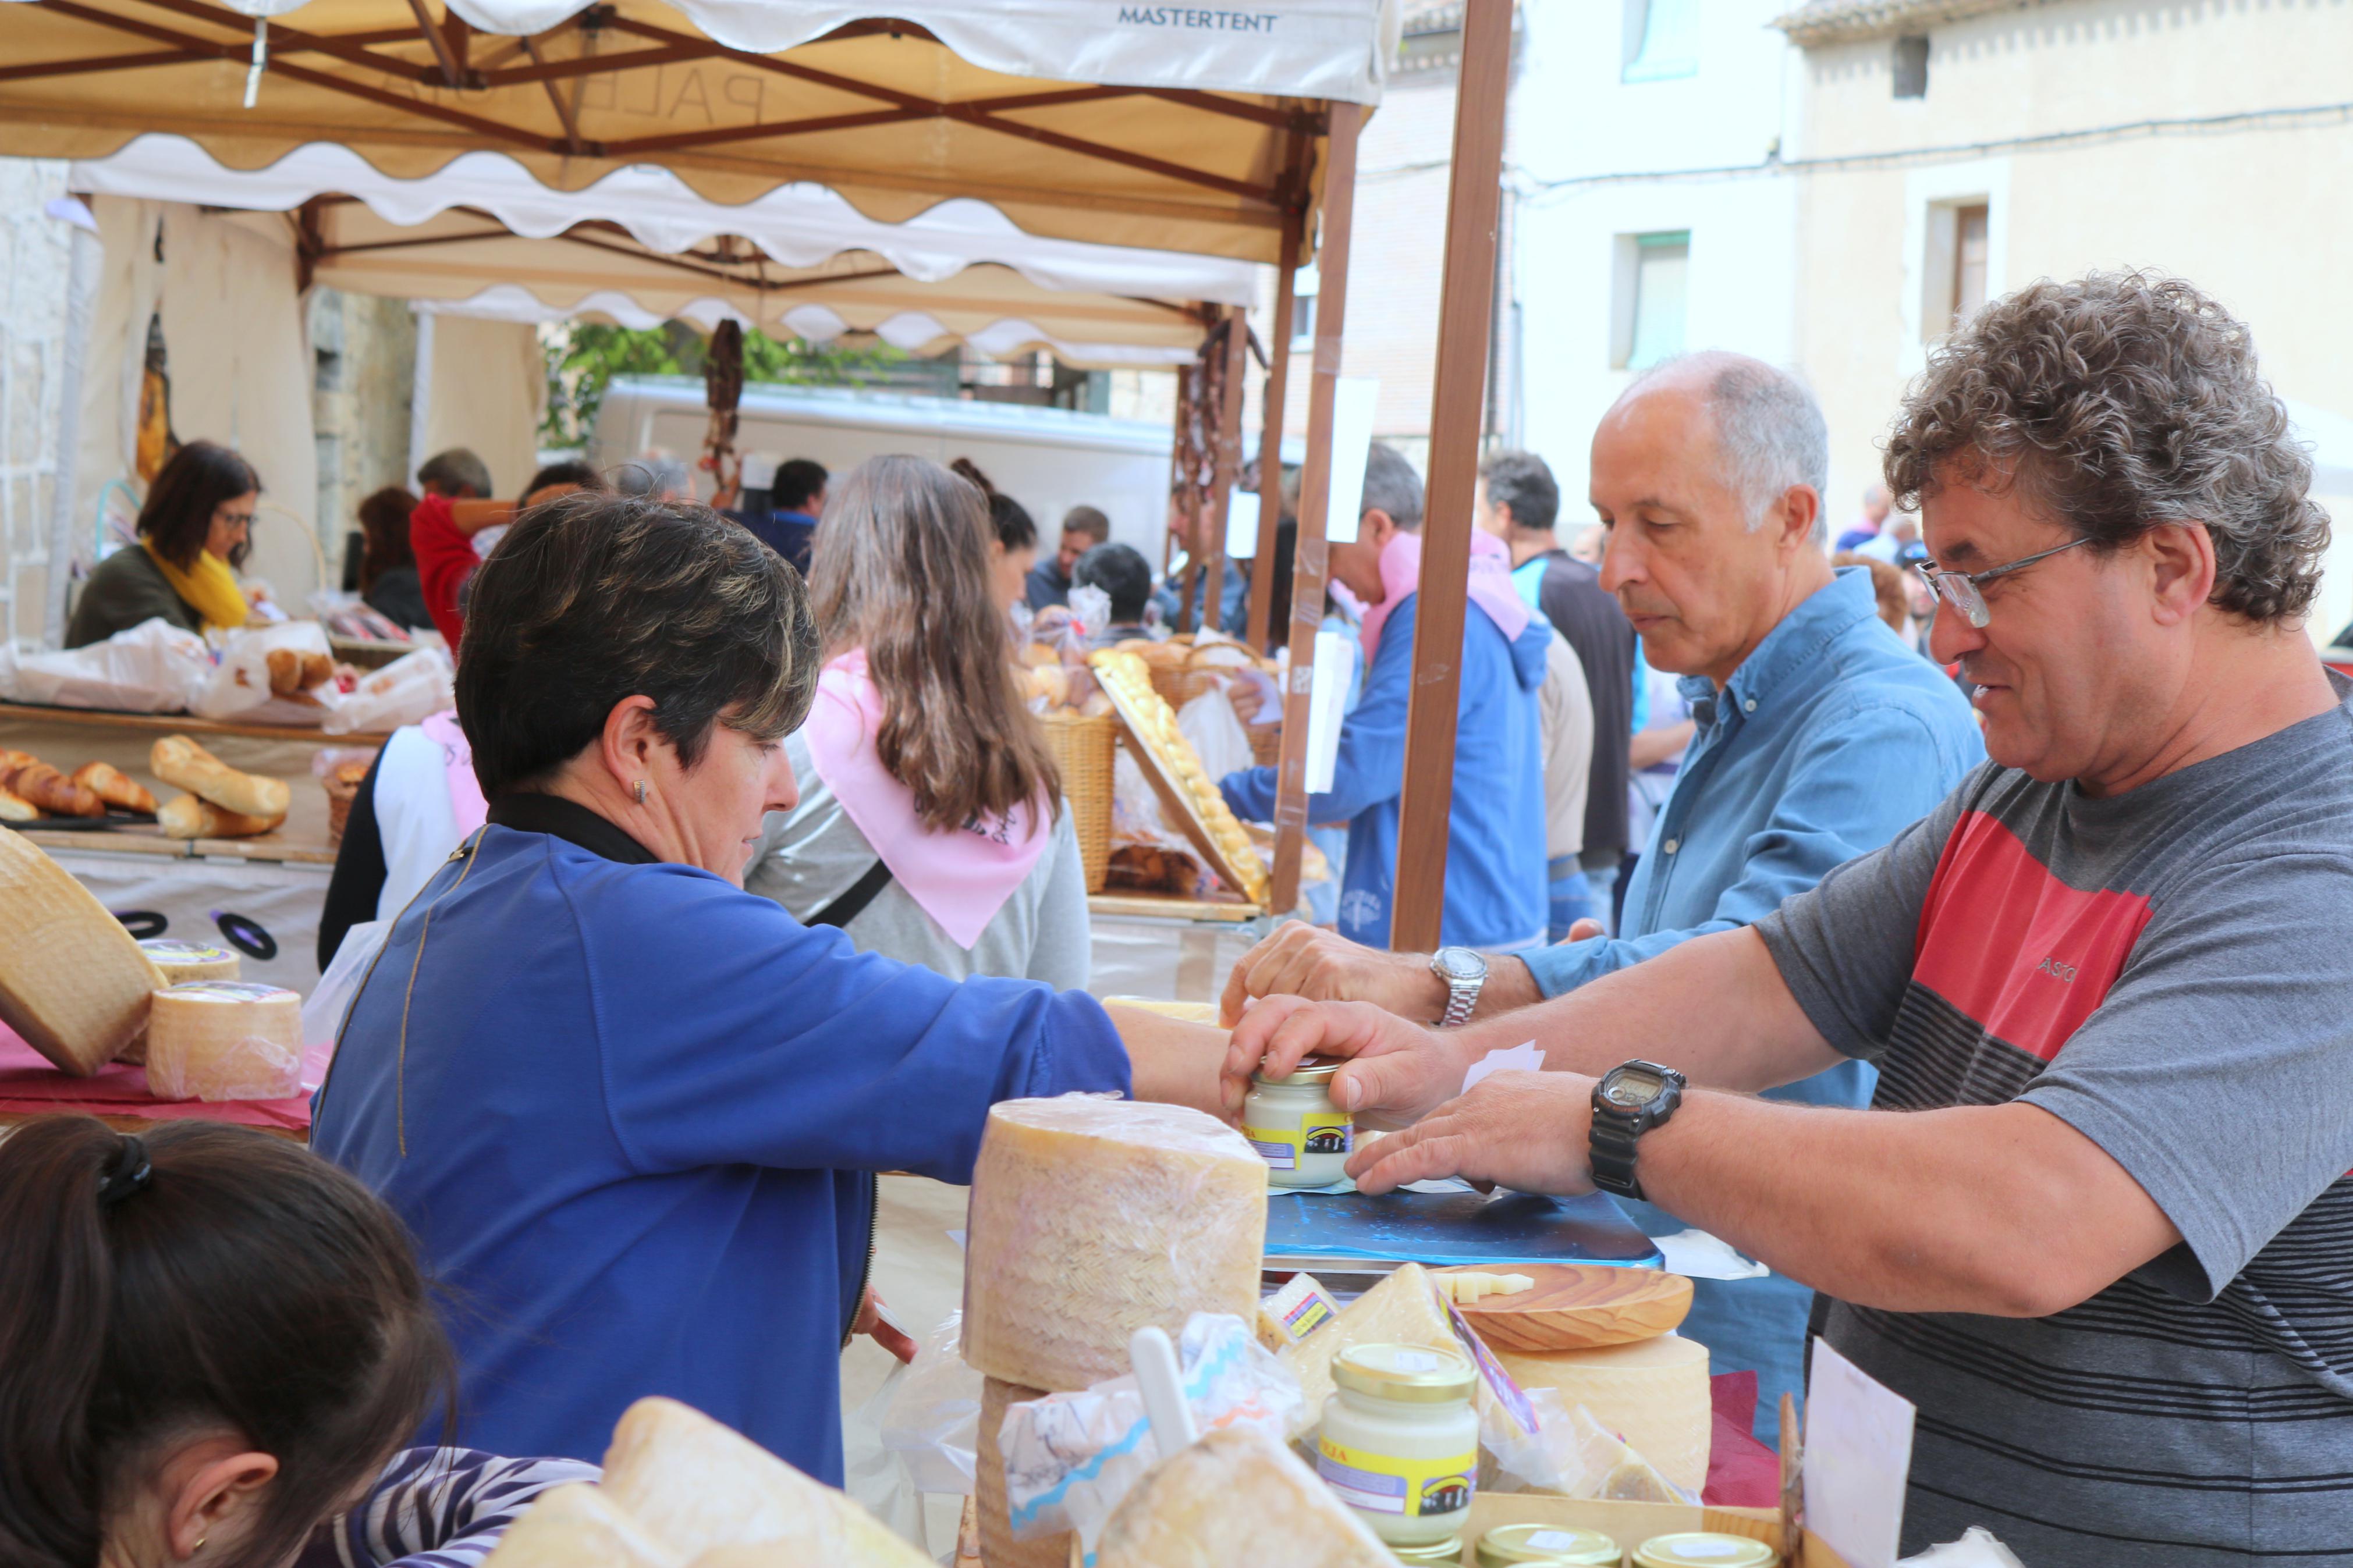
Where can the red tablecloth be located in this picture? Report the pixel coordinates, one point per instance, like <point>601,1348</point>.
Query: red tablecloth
<point>29,1085</point>
<point>1741,1471</point>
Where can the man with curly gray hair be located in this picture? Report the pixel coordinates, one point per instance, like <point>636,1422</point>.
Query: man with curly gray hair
<point>2097,1224</point>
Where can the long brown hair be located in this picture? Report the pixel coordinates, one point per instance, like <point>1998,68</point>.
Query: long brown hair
<point>197,1275</point>
<point>904,573</point>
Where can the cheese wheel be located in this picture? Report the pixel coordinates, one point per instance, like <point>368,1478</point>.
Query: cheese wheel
<point>185,961</point>
<point>225,1039</point>
<point>1236,1497</point>
<point>998,1549</point>
<point>1402,1309</point>
<point>1092,1218</point>
<point>698,1487</point>
<point>72,981</point>
<point>1653,1393</point>
<point>576,1526</point>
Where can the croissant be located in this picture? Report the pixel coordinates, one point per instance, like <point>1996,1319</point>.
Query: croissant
<point>52,791</point>
<point>115,787</point>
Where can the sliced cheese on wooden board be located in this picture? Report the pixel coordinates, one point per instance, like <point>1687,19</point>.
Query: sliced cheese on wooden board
<point>1402,1309</point>
<point>1576,1306</point>
<point>185,961</point>
<point>72,981</point>
<point>1653,1393</point>
<point>1092,1218</point>
<point>698,1487</point>
<point>998,1549</point>
<point>225,1039</point>
<point>1237,1497</point>
<point>576,1526</point>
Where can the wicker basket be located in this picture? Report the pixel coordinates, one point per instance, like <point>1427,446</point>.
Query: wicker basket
<point>1084,749</point>
<point>1180,686</point>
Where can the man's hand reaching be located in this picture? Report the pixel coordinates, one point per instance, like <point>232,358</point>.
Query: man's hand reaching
<point>1525,1130</point>
<point>1396,1070</point>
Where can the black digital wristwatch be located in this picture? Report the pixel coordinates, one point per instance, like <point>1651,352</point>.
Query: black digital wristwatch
<point>1631,1098</point>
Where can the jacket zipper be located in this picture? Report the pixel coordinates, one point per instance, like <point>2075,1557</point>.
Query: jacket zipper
<point>865,1275</point>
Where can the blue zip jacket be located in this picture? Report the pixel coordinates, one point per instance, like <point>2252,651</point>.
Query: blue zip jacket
<point>634,1124</point>
<point>1496,891</point>
<point>1829,739</point>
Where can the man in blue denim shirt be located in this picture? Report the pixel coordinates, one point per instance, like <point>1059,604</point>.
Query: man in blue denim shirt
<point>1820,736</point>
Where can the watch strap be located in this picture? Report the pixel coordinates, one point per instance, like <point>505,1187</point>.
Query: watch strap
<point>1611,1153</point>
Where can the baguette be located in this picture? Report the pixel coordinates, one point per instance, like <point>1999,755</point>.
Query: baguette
<point>186,817</point>
<point>182,764</point>
<point>53,792</point>
<point>15,808</point>
<point>115,787</point>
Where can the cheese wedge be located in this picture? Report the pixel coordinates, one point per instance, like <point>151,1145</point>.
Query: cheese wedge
<point>1092,1218</point>
<point>225,1039</point>
<point>185,961</point>
<point>72,981</point>
<point>1236,1497</point>
<point>1295,1311</point>
<point>998,1549</point>
<point>1402,1309</point>
<point>576,1526</point>
<point>697,1486</point>
<point>1653,1393</point>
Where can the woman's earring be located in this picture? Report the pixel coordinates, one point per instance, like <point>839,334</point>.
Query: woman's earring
<point>641,792</point>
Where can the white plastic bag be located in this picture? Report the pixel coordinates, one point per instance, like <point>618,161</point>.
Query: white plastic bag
<point>324,1009</point>
<point>1071,1457</point>
<point>409,691</point>
<point>1217,733</point>
<point>152,668</point>
<point>239,686</point>
<point>931,1422</point>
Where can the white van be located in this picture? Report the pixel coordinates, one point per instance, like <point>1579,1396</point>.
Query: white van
<point>1048,459</point>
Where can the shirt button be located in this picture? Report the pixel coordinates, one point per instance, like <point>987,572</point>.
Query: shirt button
<point>1749,706</point>
<point>1669,846</point>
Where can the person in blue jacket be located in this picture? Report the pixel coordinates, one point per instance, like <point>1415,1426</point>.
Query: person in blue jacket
<point>1496,895</point>
<point>630,1111</point>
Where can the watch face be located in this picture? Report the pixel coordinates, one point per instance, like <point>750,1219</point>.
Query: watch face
<point>1460,963</point>
<point>1631,1087</point>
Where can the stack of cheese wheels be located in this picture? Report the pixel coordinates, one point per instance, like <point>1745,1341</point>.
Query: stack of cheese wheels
<point>1092,1218</point>
<point>72,981</point>
<point>225,1039</point>
<point>185,961</point>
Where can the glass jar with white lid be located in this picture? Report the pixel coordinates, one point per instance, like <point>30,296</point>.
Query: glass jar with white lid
<point>1401,1440</point>
<point>1303,1138</point>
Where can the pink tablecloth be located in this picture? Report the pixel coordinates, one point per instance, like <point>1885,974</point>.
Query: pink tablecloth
<point>29,1085</point>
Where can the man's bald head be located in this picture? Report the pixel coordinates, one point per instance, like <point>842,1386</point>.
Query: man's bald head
<point>1769,431</point>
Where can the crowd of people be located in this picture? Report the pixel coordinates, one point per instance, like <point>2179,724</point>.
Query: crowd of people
<point>1999,1013</point>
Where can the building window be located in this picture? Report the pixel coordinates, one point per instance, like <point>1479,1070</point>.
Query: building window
<point>1912,67</point>
<point>1958,258</point>
<point>1662,39</point>
<point>1652,269</point>
<point>1303,309</point>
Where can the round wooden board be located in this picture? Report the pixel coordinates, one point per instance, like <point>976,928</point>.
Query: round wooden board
<point>1577,1306</point>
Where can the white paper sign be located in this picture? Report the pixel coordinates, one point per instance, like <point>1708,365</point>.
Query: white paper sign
<point>1327,699</point>
<point>1241,525</point>
<point>1858,1459</point>
<point>1525,1056</point>
<point>1354,397</point>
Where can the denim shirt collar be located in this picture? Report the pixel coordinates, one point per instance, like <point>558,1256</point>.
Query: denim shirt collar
<point>1788,650</point>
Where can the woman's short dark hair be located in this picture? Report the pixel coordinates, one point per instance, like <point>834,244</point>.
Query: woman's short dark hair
<point>592,598</point>
<point>247,1284</point>
<point>181,502</point>
<point>797,483</point>
<point>2121,402</point>
<point>384,526</point>
<point>1120,571</point>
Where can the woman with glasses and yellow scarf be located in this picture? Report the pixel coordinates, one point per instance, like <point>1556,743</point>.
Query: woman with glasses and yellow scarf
<point>193,535</point>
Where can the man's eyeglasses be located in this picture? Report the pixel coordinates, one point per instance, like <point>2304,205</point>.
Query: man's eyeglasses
<point>1960,589</point>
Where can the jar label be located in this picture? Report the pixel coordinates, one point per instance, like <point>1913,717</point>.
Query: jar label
<point>1382,1483</point>
<point>1318,1132</point>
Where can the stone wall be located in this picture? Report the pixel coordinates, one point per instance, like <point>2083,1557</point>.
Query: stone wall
<point>363,361</point>
<point>35,252</point>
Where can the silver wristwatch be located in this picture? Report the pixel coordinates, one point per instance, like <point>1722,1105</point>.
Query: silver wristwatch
<point>1464,971</point>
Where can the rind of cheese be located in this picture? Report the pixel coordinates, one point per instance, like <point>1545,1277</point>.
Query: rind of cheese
<point>225,1039</point>
<point>1189,1011</point>
<point>998,1549</point>
<point>1653,1393</point>
<point>72,981</point>
<point>1236,1497</point>
<point>576,1526</point>
<point>1300,1309</point>
<point>1092,1218</point>
<point>1402,1309</point>
<point>697,1485</point>
<point>185,961</point>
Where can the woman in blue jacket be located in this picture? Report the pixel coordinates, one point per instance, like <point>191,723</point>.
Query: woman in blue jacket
<point>630,1111</point>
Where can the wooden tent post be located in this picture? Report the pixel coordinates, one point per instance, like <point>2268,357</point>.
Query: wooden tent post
<point>1418,900</point>
<point>1225,459</point>
<point>1315,501</point>
<point>1277,390</point>
<point>1180,489</point>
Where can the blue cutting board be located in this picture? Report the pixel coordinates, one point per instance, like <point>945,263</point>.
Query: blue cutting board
<point>1449,1229</point>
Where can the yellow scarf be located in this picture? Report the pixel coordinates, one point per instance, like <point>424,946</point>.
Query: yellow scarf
<point>211,589</point>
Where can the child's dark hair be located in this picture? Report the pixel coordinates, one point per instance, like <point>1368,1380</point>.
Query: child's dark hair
<point>242,1283</point>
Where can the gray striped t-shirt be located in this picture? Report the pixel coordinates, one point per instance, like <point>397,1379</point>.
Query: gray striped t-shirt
<point>2169,972</point>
